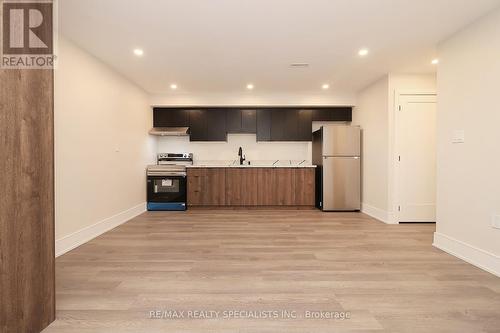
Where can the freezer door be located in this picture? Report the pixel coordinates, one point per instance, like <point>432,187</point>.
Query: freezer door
<point>341,140</point>
<point>341,183</point>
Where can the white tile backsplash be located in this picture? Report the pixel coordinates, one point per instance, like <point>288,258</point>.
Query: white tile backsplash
<point>252,149</point>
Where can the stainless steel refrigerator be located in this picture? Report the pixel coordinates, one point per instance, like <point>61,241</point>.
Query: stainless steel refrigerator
<point>336,151</point>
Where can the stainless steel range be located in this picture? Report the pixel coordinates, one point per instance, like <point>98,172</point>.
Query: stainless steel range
<point>166,181</point>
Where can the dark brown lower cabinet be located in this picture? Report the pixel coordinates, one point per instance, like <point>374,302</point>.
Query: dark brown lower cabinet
<point>251,187</point>
<point>304,186</point>
<point>285,186</point>
<point>195,179</point>
<point>241,187</point>
<point>233,187</point>
<point>214,187</point>
<point>279,186</point>
<point>206,186</point>
<point>267,191</point>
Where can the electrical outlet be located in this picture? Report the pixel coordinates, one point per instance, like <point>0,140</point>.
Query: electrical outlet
<point>495,221</point>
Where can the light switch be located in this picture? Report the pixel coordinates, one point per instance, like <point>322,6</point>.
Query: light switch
<point>458,136</point>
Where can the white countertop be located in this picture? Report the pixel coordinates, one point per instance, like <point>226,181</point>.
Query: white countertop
<point>253,164</point>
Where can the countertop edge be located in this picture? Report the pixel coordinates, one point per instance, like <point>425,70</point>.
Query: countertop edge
<point>251,166</point>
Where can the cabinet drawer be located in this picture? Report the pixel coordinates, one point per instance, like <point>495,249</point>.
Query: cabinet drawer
<point>206,187</point>
<point>195,186</point>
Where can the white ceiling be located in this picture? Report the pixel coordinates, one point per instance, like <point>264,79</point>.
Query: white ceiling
<point>221,45</point>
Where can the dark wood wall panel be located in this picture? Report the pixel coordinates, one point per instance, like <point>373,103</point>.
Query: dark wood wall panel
<point>27,295</point>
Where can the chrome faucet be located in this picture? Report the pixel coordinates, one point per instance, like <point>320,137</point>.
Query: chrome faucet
<point>242,157</point>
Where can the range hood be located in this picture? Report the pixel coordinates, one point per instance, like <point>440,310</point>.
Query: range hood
<point>169,131</point>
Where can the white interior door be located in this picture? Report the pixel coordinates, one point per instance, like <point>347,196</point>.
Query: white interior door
<point>416,141</point>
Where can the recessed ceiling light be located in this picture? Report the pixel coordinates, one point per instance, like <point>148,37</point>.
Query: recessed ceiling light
<point>173,86</point>
<point>250,86</point>
<point>435,61</point>
<point>299,65</point>
<point>363,52</point>
<point>138,52</point>
<point>325,86</point>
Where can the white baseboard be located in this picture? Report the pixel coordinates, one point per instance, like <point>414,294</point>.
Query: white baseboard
<point>71,241</point>
<point>473,255</point>
<point>378,213</point>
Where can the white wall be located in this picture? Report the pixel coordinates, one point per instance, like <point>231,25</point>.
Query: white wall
<point>101,146</point>
<point>468,178</point>
<point>255,98</point>
<point>371,113</point>
<point>375,112</point>
<point>229,150</point>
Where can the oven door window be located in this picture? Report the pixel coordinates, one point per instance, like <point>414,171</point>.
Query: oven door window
<point>166,189</point>
<point>166,185</point>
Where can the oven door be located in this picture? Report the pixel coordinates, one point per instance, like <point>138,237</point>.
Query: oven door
<point>166,191</point>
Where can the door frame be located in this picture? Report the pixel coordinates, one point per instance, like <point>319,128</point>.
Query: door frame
<point>394,181</point>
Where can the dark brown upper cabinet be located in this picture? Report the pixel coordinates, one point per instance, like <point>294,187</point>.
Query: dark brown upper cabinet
<point>284,125</point>
<point>270,124</point>
<point>295,124</point>
<point>164,117</point>
<point>216,125</point>
<point>233,120</point>
<point>207,125</point>
<point>241,121</point>
<point>332,114</point>
<point>248,121</point>
<point>278,127</point>
<point>197,125</point>
<point>304,128</point>
<point>263,125</point>
<point>291,125</point>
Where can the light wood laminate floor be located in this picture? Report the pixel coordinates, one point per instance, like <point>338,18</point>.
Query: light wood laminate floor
<point>388,278</point>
